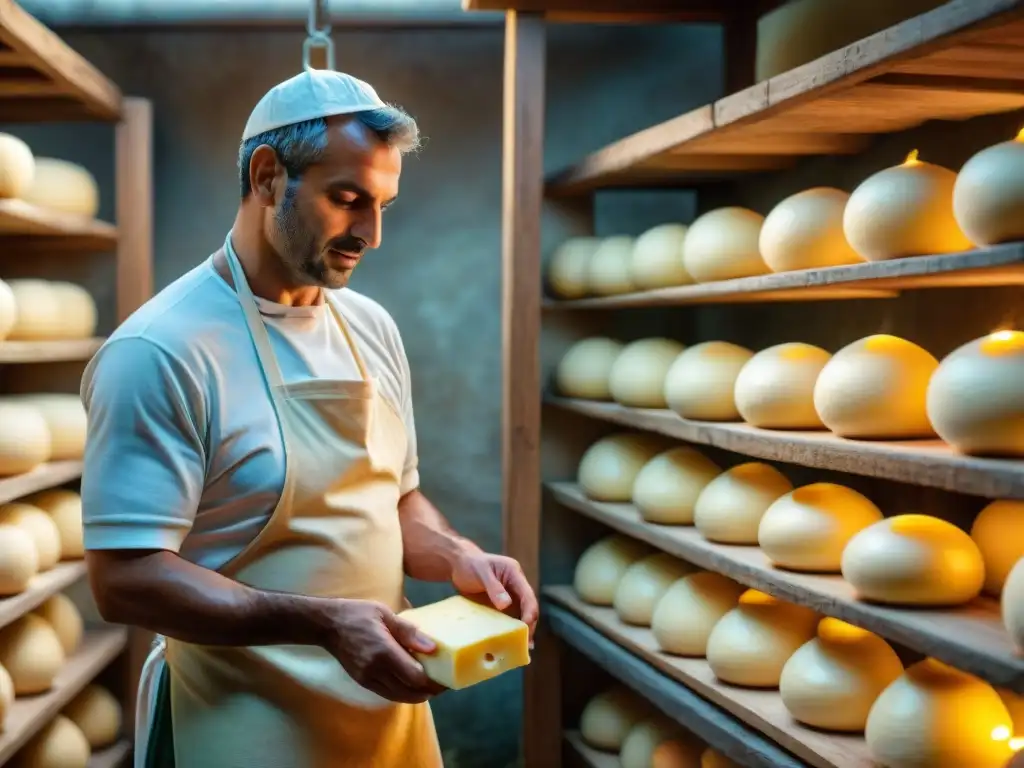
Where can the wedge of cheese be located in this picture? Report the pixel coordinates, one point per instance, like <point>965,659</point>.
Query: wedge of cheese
<point>474,642</point>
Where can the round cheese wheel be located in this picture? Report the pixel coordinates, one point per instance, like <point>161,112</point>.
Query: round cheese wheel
<point>6,694</point>
<point>667,487</point>
<point>730,507</point>
<point>62,614</point>
<point>24,439</point>
<point>752,642</point>
<point>586,367</point>
<point>609,267</point>
<point>876,388</point>
<point>645,582</point>
<point>39,526</point>
<point>914,560</point>
<point>98,714</point>
<point>998,530</point>
<point>602,566</point>
<point>713,759</point>
<point>637,378</point>
<point>567,271</point>
<point>78,310</point>
<point>975,401</point>
<point>8,310</point>
<point>609,467</point>
<point>701,382</point>
<point>63,186</point>
<point>61,744</point>
<point>65,508</point>
<point>39,316</point>
<point>805,231</point>
<point>904,211</point>
<point>690,608</point>
<point>658,743</point>
<point>19,560</point>
<point>17,166</point>
<point>31,652</point>
<point>775,388</point>
<point>1013,604</point>
<point>936,716</point>
<point>723,244</point>
<point>609,717</point>
<point>658,258</point>
<point>832,681</point>
<point>808,529</point>
<point>988,196</point>
<point>65,420</point>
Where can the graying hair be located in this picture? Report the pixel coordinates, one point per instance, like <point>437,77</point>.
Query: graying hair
<point>299,145</point>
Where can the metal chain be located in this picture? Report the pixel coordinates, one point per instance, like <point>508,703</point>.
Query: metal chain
<point>318,34</point>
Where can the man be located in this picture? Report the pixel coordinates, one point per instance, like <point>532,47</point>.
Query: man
<point>250,490</point>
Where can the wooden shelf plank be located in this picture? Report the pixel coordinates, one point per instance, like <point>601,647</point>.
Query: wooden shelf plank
<point>760,709</point>
<point>21,224</point>
<point>111,757</point>
<point>47,69</point>
<point>971,638</point>
<point>921,462</point>
<point>594,758</point>
<point>42,587</point>
<point>64,350</point>
<point>39,479</point>
<point>884,83</point>
<point>647,676</point>
<point>29,714</point>
<point>985,267</point>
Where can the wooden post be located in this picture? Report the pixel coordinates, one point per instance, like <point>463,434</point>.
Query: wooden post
<point>134,180</point>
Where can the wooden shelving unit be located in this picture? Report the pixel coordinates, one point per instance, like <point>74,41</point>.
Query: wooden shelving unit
<point>43,80</point>
<point>957,64</point>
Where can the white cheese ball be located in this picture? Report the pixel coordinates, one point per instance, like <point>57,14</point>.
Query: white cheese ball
<point>1013,604</point>
<point>65,420</point>
<point>60,185</point>
<point>644,584</point>
<point>730,507</point>
<point>609,717</point>
<point>668,485</point>
<point>752,643</point>
<point>723,244</point>
<point>567,271</point>
<point>39,526</point>
<point>31,652</point>
<point>17,166</point>
<point>637,378</point>
<point>65,508</point>
<point>805,231</point>
<point>975,399</point>
<point>61,744</point>
<point>78,310</point>
<point>39,315</point>
<point>876,388</point>
<point>603,564</point>
<point>62,614</point>
<point>775,388</point>
<point>19,560</point>
<point>935,716</point>
<point>659,743</point>
<point>988,197</point>
<point>832,681</point>
<point>98,714</point>
<point>658,258</point>
<point>609,467</point>
<point>689,610</point>
<point>808,529</point>
<point>8,310</point>
<point>998,530</point>
<point>701,382</point>
<point>585,369</point>
<point>609,267</point>
<point>914,560</point>
<point>906,210</point>
<point>24,438</point>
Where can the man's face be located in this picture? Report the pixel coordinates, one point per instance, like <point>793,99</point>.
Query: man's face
<point>324,221</point>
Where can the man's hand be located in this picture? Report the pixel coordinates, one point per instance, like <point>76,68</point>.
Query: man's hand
<point>501,579</point>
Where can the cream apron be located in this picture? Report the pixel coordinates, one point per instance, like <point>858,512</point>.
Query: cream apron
<point>335,533</point>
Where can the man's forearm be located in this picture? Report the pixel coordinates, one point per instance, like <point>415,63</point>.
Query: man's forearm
<point>431,544</point>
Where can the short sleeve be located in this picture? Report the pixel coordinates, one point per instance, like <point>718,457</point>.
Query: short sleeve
<point>144,456</point>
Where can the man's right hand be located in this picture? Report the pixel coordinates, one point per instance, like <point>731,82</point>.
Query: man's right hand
<point>373,645</point>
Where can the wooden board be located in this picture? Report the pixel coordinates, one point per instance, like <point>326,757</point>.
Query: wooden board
<point>760,709</point>
<point>41,78</point>
<point>998,265</point>
<point>111,757</point>
<point>26,227</point>
<point>39,479</point>
<point>42,587</point>
<point>971,638</point>
<point>49,351</point>
<point>936,66</point>
<point>921,462</point>
<point>594,758</point>
<point>29,714</point>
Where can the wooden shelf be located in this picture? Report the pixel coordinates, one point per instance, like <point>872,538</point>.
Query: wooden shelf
<point>955,62</point>
<point>921,462</point>
<point>42,587</point>
<point>49,351</point>
<point>594,758</point>
<point>971,638</point>
<point>39,479</point>
<point>648,675</point>
<point>985,267</point>
<point>41,78</point>
<point>24,226</point>
<point>29,714</point>
<point>111,757</point>
<point>760,709</point>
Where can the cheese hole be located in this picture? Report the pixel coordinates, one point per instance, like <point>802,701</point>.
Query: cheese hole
<point>489,660</point>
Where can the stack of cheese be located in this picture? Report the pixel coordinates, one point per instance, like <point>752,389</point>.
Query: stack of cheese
<point>38,428</point>
<point>45,182</point>
<point>35,534</point>
<point>45,310</point>
<point>90,722</point>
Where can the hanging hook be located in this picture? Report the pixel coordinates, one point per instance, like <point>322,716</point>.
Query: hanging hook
<point>318,34</point>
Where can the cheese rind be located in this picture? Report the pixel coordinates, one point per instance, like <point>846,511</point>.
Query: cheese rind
<point>474,642</point>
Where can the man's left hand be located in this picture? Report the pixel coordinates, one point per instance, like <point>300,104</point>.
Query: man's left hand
<point>501,579</point>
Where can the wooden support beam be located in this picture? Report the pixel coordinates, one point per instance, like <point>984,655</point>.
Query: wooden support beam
<point>134,172</point>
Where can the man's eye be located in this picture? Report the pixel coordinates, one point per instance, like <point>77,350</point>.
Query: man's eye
<point>344,201</point>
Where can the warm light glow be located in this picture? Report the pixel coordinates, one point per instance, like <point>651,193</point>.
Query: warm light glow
<point>836,631</point>
<point>912,158</point>
<point>754,597</point>
<point>1003,342</point>
<point>1017,744</point>
<point>1020,135</point>
<point>1001,733</point>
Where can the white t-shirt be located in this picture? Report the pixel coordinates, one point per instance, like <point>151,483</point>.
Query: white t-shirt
<point>184,451</point>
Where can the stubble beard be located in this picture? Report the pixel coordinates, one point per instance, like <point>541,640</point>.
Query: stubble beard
<point>301,255</point>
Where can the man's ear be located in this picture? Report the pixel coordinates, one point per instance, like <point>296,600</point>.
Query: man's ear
<point>266,174</point>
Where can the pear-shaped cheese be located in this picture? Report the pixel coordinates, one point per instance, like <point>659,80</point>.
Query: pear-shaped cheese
<point>644,584</point>
<point>602,566</point>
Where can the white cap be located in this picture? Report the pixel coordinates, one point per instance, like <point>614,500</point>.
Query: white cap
<point>312,94</point>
